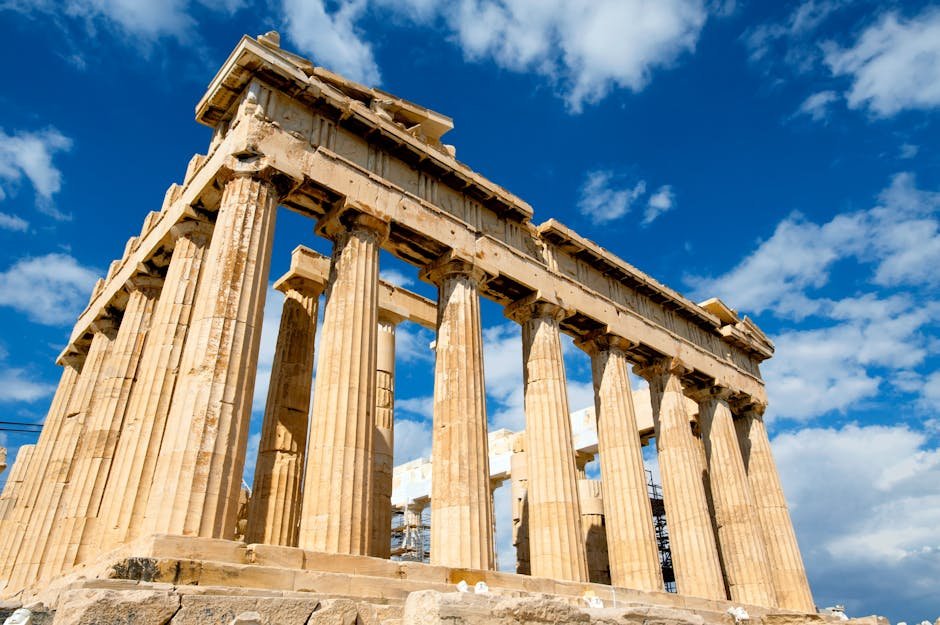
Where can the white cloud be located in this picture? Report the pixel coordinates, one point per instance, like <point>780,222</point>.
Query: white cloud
<point>30,154</point>
<point>332,38</point>
<point>586,48</point>
<point>140,21</point>
<point>662,201</point>
<point>842,347</point>
<point>50,289</point>
<point>412,440</point>
<point>589,46</point>
<point>870,530</point>
<point>12,222</point>
<point>791,39</point>
<point>396,277</point>
<point>413,344</point>
<point>605,198</point>
<point>17,385</point>
<point>894,64</point>
<point>817,105</point>
<point>930,393</point>
<point>422,406</point>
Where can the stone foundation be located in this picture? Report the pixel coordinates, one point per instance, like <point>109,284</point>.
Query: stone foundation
<point>160,580</point>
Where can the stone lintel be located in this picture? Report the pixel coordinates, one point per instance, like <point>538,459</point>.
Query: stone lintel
<point>350,214</point>
<point>535,305</point>
<point>394,301</point>
<point>453,263</point>
<point>315,87</point>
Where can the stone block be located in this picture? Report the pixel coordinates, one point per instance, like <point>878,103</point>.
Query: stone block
<point>224,609</point>
<point>359,565</point>
<point>246,576</point>
<point>275,555</point>
<point>417,571</point>
<point>335,612</point>
<point>192,548</point>
<point>128,607</point>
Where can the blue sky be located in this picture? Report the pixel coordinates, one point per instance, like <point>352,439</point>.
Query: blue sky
<point>782,156</point>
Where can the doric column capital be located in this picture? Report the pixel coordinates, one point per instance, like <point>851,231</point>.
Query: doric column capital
<point>304,286</point>
<point>533,307</point>
<point>601,341</point>
<point>747,406</point>
<point>349,216</point>
<point>256,167</point>
<point>703,394</point>
<point>72,357</point>
<point>661,367</point>
<point>105,325</point>
<point>450,264</point>
<point>193,228</point>
<point>147,284</point>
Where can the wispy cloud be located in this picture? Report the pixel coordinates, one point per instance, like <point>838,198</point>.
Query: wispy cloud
<point>606,196</point>
<point>894,64</point>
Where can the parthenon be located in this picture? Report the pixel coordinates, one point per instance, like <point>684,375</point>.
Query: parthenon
<point>137,473</point>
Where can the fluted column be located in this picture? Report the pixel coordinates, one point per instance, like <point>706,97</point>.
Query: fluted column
<point>384,458</point>
<point>128,488</point>
<point>92,464</point>
<point>691,538</point>
<point>783,552</point>
<point>461,505</point>
<point>198,476</point>
<point>631,540</point>
<point>740,538</point>
<point>274,508</point>
<point>14,483</point>
<point>37,543</point>
<point>556,542</point>
<point>520,505</point>
<point>337,507</point>
<point>28,504</point>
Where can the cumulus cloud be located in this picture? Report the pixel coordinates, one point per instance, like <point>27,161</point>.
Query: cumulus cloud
<point>140,21</point>
<point>662,201</point>
<point>332,37</point>
<point>893,65</point>
<point>606,197</point>
<point>50,289</point>
<point>882,484</point>
<point>839,348</point>
<point>18,385</point>
<point>412,440</point>
<point>29,154</point>
<point>586,48</point>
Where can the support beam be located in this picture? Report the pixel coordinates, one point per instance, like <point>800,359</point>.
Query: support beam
<point>556,541</point>
<point>337,507</point>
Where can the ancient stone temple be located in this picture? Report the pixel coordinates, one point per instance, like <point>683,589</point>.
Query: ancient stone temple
<point>131,499</point>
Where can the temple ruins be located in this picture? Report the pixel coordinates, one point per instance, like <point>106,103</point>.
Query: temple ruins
<point>134,484</point>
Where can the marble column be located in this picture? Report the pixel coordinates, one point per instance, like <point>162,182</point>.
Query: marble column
<point>631,539</point>
<point>198,477</point>
<point>28,504</point>
<point>520,505</point>
<point>461,505</point>
<point>337,502</point>
<point>274,507</point>
<point>691,538</point>
<point>92,463</point>
<point>14,483</point>
<point>128,489</point>
<point>740,538</point>
<point>38,543</point>
<point>783,552</point>
<point>556,542</point>
<point>384,457</point>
